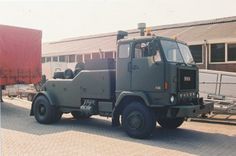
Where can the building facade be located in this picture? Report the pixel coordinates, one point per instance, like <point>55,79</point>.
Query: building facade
<point>212,43</point>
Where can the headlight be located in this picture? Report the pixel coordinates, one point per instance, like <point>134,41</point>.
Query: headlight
<point>172,99</point>
<point>197,95</point>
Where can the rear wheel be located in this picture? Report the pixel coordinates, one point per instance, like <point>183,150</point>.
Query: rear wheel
<point>171,123</point>
<point>78,115</point>
<point>138,121</point>
<point>44,112</point>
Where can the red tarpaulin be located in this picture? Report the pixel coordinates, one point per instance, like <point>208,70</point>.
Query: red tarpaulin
<point>20,55</point>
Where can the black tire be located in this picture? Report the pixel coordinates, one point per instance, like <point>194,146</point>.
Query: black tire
<point>77,115</point>
<point>68,74</point>
<point>79,66</point>
<point>58,75</point>
<point>44,112</point>
<point>138,121</point>
<point>170,123</point>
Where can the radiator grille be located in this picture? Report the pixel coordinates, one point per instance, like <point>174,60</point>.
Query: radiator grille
<point>187,79</point>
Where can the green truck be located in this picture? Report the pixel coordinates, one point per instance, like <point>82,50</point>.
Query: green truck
<point>153,79</point>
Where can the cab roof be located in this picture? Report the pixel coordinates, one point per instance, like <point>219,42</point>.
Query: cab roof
<point>141,38</point>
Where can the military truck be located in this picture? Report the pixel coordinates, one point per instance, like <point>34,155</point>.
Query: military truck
<point>153,79</point>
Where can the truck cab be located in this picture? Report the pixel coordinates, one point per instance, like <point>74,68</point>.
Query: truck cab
<point>161,68</point>
<point>154,79</point>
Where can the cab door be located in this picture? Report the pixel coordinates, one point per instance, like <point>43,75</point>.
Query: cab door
<point>147,68</point>
<point>123,73</point>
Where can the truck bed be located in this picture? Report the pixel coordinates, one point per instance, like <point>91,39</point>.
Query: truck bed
<point>88,84</point>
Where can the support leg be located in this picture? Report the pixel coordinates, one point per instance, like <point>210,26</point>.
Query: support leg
<point>1,94</point>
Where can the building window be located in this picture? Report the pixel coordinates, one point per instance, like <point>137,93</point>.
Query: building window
<point>218,52</point>
<point>62,59</point>
<point>124,51</point>
<point>196,51</point>
<point>48,59</point>
<point>108,55</point>
<point>67,58</point>
<point>95,55</point>
<point>79,58</point>
<point>232,52</point>
<point>87,57</point>
<point>43,59</point>
<point>55,59</point>
<point>71,58</point>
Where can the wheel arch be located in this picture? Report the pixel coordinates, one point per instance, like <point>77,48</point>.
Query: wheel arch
<point>132,95</point>
<point>123,99</point>
<point>42,93</point>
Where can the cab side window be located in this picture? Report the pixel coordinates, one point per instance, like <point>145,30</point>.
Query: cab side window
<point>124,51</point>
<point>141,50</point>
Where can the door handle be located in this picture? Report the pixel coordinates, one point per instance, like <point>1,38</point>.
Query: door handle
<point>135,67</point>
<point>132,67</point>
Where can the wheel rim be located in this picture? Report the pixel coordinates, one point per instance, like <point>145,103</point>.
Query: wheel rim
<point>135,120</point>
<point>42,109</point>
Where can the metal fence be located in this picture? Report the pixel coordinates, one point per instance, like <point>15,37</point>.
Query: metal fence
<point>219,87</point>
<point>217,83</point>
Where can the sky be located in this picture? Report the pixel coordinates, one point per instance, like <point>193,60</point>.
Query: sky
<point>60,19</point>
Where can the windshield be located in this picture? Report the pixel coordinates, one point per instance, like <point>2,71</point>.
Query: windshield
<point>176,52</point>
<point>184,49</point>
<point>171,51</point>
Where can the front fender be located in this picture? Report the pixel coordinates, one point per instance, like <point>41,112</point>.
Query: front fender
<point>119,106</point>
<point>43,93</point>
<point>132,94</point>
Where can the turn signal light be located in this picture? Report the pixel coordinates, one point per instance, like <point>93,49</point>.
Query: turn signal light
<point>148,31</point>
<point>166,85</point>
<point>174,37</point>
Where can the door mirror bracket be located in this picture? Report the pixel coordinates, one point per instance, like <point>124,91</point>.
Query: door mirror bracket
<point>151,48</point>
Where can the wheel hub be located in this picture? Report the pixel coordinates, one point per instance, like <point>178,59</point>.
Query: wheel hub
<point>135,120</point>
<point>42,110</point>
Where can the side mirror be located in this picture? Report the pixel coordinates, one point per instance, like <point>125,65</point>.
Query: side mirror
<point>121,35</point>
<point>151,49</point>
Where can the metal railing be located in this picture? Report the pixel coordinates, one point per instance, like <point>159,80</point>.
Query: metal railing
<point>219,87</point>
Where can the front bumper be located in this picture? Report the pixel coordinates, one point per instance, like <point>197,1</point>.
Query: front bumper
<point>189,111</point>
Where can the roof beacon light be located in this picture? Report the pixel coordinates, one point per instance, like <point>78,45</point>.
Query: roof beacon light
<point>174,37</point>
<point>149,31</point>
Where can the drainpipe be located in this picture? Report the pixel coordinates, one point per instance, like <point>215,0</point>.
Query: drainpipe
<point>206,53</point>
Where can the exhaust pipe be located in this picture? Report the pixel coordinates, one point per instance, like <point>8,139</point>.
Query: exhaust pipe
<point>142,27</point>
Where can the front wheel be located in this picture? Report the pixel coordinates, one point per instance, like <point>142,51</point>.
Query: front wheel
<point>44,112</point>
<point>138,121</point>
<point>170,123</point>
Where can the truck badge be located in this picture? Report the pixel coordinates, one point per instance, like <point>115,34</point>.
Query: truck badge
<point>187,78</point>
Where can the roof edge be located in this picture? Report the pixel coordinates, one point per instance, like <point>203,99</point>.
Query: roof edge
<point>161,27</point>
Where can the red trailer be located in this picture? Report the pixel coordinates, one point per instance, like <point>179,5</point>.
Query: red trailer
<point>20,55</point>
